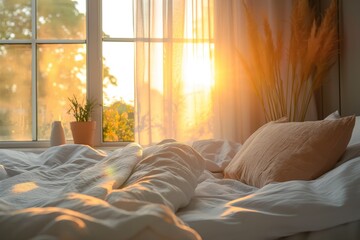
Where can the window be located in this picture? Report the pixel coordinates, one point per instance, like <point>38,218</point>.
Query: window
<point>52,50</point>
<point>118,51</point>
<point>168,50</point>
<point>42,62</point>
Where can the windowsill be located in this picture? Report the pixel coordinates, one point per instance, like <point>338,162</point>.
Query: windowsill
<point>39,149</point>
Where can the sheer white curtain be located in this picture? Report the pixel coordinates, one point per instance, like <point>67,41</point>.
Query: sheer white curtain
<point>189,81</point>
<point>174,70</point>
<point>238,111</point>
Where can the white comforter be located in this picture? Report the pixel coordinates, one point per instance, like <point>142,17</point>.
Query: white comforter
<point>75,192</point>
<point>166,191</point>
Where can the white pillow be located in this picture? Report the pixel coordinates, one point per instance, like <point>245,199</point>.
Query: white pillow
<point>355,138</point>
<point>333,116</point>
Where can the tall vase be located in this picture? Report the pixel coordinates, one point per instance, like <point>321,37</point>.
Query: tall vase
<point>57,134</point>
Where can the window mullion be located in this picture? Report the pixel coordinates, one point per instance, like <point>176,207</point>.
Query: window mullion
<point>94,62</point>
<point>34,72</point>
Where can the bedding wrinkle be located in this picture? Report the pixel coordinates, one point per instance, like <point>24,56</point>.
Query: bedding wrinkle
<point>130,193</point>
<point>113,169</point>
<point>164,172</point>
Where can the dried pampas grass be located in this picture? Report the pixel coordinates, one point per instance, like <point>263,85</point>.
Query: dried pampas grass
<point>312,51</point>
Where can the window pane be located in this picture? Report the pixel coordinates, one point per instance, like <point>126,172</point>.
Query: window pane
<point>115,12</point>
<point>61,19</point>
<point>61,74</point>
<point>118,91</point>
<point>15,18</point>
<point>15,92</point>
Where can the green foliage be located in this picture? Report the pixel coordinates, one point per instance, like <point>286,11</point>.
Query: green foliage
<point>118,122</point>
<point>61,69</point>
<point>81,112</point>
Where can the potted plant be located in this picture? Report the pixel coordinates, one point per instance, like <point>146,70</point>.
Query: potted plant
<point>83,128</point>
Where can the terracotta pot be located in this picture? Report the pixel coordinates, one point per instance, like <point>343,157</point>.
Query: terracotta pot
<point>83,132</point>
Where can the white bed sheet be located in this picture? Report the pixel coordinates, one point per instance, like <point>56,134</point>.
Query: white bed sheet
<point>229,209</point>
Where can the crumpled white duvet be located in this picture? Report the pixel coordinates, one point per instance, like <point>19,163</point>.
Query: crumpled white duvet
<point>75,192</point>
<point>168,191</point>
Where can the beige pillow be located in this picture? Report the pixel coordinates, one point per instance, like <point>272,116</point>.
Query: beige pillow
<point>290,151</point>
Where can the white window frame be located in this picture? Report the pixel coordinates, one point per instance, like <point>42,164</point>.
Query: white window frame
<point>94,62</point>
<point>93,66</point>
<point>94,85</point>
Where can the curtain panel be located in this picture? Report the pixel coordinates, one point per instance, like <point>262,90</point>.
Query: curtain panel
<point>190,83</point>
<point>174,70</point>
<point>242,114</point>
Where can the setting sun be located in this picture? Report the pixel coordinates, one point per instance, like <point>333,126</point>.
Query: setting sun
<point>198,72</point>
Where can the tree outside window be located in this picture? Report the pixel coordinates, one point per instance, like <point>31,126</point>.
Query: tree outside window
<point>42,65</point>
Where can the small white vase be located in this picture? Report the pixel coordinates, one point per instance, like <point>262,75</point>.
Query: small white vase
<point>57,134</point>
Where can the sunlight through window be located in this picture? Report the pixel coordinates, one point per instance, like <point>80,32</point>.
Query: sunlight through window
<point>24,187</point>
<point>197,69</point>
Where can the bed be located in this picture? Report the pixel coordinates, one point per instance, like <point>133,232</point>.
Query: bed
<point>172,190</point>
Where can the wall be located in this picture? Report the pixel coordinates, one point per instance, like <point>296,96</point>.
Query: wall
<point>350,57</point>
<point>342,90</point>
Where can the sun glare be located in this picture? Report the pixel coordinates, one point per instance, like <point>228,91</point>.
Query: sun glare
<point>198,75</point>
<point>197,69</point>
